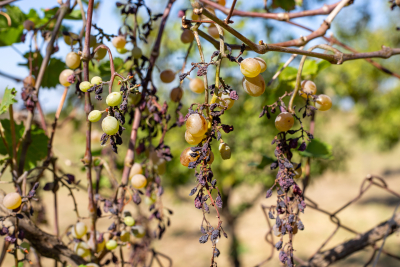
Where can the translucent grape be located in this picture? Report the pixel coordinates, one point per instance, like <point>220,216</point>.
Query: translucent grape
<point>68,38</point>
<point>284,121</point>
<point>136,169</point>
<point>308,87</point>
<point>227,101</point>
<point>323,103</point>
<point>297,171</point>
<point>254,86</point>
<point>250,67</point>
<point>197,85</point>
<point>213,31</point>
<point>79,230</point>
<point>85,86</point>
<point>119,42</point>
<point>176,94</point>
<point>187,36</point>
<point>185,157</point>
<point>72,60</point>
<point>94,116</point>
<point>129,221</point>
<point>193,140</point>
<point>196,125</point>
<point>225,151</point>
<point>138,231</point>
<point>111,244</point>
<point>137,52</point>
<point>96,80</point>
<point>114,99</point>
<point>29,81</point>
<point>161,167</point>
<point>100,53</point>
<point>12,201</point>
<point>125,236</point>
<point>82,249</point>
<point>262,63</point>
<point>63,78</point>
<point>110,125</point>
<point>167,76</point>
<point>139,181</point>
<point>29,25</point>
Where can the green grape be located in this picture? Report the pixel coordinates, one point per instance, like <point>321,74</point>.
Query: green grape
<point>139,181</point>
<point>193,140</point>
<point>134,99</point>
<point>110,125</point>
<point>187,36</point>
<point>150,200</point>
<point>254,86</point>
<point>225,151</point>
<point>250,67</point>
<point>186,158</point>
<point>213,31</point>
<point>100,53</point>
<point>114,99</point>
<point>125,236</point>
<point>111,244</point>
<point>92,41</point>
<point>161,167</point>
<point>12,201</point>
<point>138,231</point>
<point>136,169</point>
<point>297,171</point>
<point>262,63</point>
<point>227,101</point>
<point>167,76</point>
<point>137,52</point>
<point>176,94</point>
<point>82,249</point>
<point>196,125</point>
<point>79,230</point>
<point>284,121</point>
<point>85,86</point>
<point>197,86</point>
<point>68,38</point>
<point>94,116</point>
<point>72,60</point>
<point>129,221</point>
<point>63,78</point>
<point>119,42</point>
<point>96,80</point>
<point>122,50</point>
<point>29,25</point>
<point>308,88</point>
<point>29,81</point>
<point>323,103</point>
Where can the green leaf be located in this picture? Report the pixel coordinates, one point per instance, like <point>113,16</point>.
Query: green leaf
<point>310,68</point>
<point>317,149</point>
<point>34,17</point>
<point>284,4</point>
<point>48,13</point>
<point>11,34</point>
<point>74,15</point>
<point>8,99</point>
<point>288,74</point>
<point>105,69</point>
<point>323,64</point>
<point>264,162</point>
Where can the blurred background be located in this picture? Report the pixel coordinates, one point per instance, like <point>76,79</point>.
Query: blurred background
<point>359,135</point>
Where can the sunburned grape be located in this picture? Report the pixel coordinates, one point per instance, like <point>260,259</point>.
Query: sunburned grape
<point>136,169</point>
<point>250,67</point>
<point>12,201</point>
<point>197,85</point>
<point>138,181</point>
<point>192,140</point>
<point>196,125</point>
<point>226,100</point>
<point>308,88</point>
<point>262,63</point>
<point>187,36</point>
<point>167,76</point>
<point>213,31</point>
<point>284,121</point>
<point>254,86</point>
<point>176,94</point>
<point>186,158</point>
<point>323,102</point>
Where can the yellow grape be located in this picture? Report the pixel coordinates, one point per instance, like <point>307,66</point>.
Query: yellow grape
<point>262,63</point>
<point>73,60</point>
<point>79,230</point>
<point>196,125</point>
<point>227,101</point>
<point>297,171</point>
<point>114,99</point>
<point>68,38</point>
<point>185,157</point>
<point>250,67</point>
<point>63,78</point>
<point>192,140</point>
<point>94,116</point>
<point>167,76</point>
<point>85,86</point>
<point>29,25</point>
<point>100,53</point>
<point>213,31</point>
<point>323,103</point>
<point>254,86</point>
<point>96,80</point>
<point>308,87</point>
<point>82,249</point>
<point>125,236</point>
<point>187,36</point>
<point>195,16</point>
<point>12,201</point>
<point>136,169</point>
<point>139,181</point>
<point>110,125</point>
<point>119,42</point>
<point>176,94</point>
<point>29,81</point>
<point>284,121</point>
<point>137,52</point>
<point>196,85</point>
<point>225,151</point>
<point>111,244</point>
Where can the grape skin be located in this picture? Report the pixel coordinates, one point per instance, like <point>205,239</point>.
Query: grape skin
<point>100,53</point>
<point>284,121</point>
<point>213,31</point>
<point>187,36</point>
<point>82,249</point>
<point>196,125</point>
<point>110,125</point>
<point>68,38</point>
<point>161,167</point>
<point>129,221</point>
<point>29,81</point>
<point>254,86</point>
<point>297,171</point>
<point>85,86</point>
<point>226,99</point>
<point>262,63</point>
<point>185,157</point>
<point>96,80</point>
<point>225,151</point>
<point>323,103</point>
<point>72,60</point>
<point>138,231</point>
<point>137,52</point>
<point>176,94</point>
<point>79,230</point>
<point>94,116</point>
<point>308,88</point>
<point>114,99</point>
<point>250,67</point>
<point>192,140</point>
<point>111,244</point>
<point>139,181</point>
<point>119,42</point>
<point>125,236</point>
<point>63,78</point>
<point>12,201</point>
<point>136,169</point>
<point>167,76</point>
<point>196,85</point>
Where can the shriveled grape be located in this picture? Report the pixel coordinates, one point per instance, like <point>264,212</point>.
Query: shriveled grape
<point>196,125</point>
<point>63,78</point>
<point>72,60</point>
<point>323,103</point>
<point>176,94</point>
<point>167,76</point>
<point>250,67</point>
<point>284,121</point>
<point>254,86</point>
<point>196,85</point>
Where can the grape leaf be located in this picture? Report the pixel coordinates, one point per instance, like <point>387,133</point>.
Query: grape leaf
<point>284,4</point>
<point>11,34</point>
<point>8,99</point>
<point>323,64</point>
<point>317,149</point>
<point>264,162</point>
<point>310,68</point>
<point>74,15</point>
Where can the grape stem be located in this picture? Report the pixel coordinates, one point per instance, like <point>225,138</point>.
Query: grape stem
<point>112,67</point>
